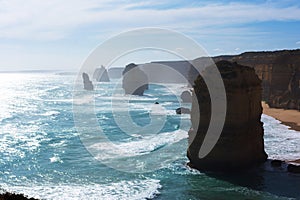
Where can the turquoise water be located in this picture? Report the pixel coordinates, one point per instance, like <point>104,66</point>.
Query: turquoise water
<point>42,154</point>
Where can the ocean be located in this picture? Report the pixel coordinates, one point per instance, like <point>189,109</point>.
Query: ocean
<point>43,155</point>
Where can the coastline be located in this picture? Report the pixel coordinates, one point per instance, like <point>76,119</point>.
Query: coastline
<point>290,118</point>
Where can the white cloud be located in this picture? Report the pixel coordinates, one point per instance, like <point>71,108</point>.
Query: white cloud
<point>51,20</point>
<point>298,42</point>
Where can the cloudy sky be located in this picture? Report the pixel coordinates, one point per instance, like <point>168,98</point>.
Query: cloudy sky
<point>58,34</point>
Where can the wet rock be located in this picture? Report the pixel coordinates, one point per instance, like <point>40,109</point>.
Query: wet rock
<point>183,110</point>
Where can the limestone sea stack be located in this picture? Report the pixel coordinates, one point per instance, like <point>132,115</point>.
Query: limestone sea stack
<point>135,81</point>
<point>101,75</point>
<point>241,144</point>
<point>87,84</point>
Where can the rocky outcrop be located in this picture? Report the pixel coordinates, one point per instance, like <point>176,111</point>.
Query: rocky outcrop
<point>287,166</point>
<point>135,81</point>
<point>241,142</point>
<point>101,75</point>
<point>87,84</point>
<point>182,110</point>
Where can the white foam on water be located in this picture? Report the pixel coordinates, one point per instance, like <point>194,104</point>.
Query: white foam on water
<point>55,159</point>
<point>85,99</point>
<point>50,113</point>
<point>140,146</point>
<point>133,190</point>
<point>280,141</point>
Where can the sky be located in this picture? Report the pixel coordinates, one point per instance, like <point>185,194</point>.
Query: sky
<point>58,34</point>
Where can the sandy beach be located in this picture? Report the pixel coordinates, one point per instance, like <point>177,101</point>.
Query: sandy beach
<point>290,118</point>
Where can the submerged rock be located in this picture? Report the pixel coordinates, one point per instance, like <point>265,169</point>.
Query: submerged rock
<point>87,84</point>
<point>135,81</point>
<point>241,143</point>
<point>101,75</point>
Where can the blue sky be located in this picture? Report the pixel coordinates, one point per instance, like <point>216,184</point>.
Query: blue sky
<point>60,34</point>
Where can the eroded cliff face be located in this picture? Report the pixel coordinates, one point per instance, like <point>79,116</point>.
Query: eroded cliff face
<point>279,72</point>
<point>241,142</point>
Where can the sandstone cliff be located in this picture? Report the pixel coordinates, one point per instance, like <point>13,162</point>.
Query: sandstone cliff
<point>278,70</point>
<point>135,81</point>
<point>241,142</point>
<point>167,71</point>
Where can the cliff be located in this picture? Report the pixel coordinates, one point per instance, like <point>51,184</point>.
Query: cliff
<point>167,71</point>
<point>241,142</point>
<point>278,70</point>
<point>135,81</point>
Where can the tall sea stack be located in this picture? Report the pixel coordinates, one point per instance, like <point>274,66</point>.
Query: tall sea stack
<point>241,143</point>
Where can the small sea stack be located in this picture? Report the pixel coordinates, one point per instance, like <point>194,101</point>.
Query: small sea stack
<point>87,84</point>
<point>101,75</point>
<point>135,81</point>
<point>241,143</point>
